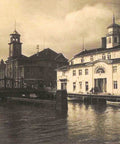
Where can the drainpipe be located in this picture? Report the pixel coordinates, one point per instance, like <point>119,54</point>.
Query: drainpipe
<point>112,78</point>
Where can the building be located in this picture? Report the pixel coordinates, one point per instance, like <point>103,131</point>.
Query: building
<point>38,70</point>
<point>94,70</point>
<point>2,72</point>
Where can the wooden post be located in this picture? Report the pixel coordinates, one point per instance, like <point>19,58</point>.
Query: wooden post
<point>61,100</point>
<point>5,79</point>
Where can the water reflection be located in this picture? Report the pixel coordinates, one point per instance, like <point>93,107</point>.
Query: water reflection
<point>82,124</point>
<point>93,123</point>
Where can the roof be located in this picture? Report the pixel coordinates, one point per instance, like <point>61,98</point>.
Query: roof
<point>111,61</point>
<point>97,51</point>
<point>15,32</point>
<point>48,54</point>
<point>114,25</point>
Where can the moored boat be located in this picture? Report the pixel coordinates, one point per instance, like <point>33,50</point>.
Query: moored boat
<point>113,103</point>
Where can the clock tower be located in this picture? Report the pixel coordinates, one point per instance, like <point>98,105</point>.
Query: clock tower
<point>113,35</point>
<point>15,46</point>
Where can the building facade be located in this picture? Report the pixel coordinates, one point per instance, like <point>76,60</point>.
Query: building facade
<point>95,70</point>
<point>38,70</point>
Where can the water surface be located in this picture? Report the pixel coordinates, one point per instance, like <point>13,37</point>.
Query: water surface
<point>83,124</point>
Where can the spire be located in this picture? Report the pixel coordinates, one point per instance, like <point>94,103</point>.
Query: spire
<point>15,31</point>
<point>15,25</point>
<point>113,19</point>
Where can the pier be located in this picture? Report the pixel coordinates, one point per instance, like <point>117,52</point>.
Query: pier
<point>24,92</point>
<point>36,96</point>
<point>96,98</point>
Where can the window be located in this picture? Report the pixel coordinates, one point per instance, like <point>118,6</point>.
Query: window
<point>80,72</point>
<point>82,60</point>
<point>72,62</point>
<point>86,86</point>
<point>74,72</point>
<point>103,57</point>
<point>86,71</point>
<point>115,85</point>
<point>115,39</point>
<point>74,86</point>
<point>109,40</point>
<point>100,70</point>
<point>91,58</point>
<point>80,84</point>
<point>114,69</point>
<point>63,86</point>
<point>109,56</point>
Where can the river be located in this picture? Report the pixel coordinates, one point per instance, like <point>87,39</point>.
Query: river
<point>83,124</point>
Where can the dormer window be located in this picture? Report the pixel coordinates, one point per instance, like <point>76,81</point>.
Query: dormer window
<point>109,56</point>
<point>91,58</point>
<point>72,62</point>
<point>103,56</point>
<point>82,60</point>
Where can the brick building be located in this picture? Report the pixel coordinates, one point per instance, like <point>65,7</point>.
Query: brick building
<point>35,71</point>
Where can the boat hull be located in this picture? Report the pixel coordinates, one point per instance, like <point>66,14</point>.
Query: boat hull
<point>113,103</point>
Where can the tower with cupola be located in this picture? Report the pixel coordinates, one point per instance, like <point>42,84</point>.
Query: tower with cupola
<point>113,35</point>
<point>15,45</point>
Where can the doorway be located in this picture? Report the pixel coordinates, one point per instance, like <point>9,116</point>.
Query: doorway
<point>100,84</point>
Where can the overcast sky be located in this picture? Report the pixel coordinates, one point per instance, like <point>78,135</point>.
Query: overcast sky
<point>57,24</point>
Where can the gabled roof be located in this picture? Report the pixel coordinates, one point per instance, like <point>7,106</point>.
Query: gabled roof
<point>60,57</point>
<point>48,54</point>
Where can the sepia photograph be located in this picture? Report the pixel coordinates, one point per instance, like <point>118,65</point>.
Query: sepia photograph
<point>59,71</point>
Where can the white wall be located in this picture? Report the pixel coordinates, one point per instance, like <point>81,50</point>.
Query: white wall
<point>109,75</point>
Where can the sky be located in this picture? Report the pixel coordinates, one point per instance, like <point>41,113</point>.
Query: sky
<point>56,24</point>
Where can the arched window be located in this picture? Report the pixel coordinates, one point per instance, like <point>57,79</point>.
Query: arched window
<point>100,70</point>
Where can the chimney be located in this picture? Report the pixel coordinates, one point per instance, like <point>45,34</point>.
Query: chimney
<point>103,42</point>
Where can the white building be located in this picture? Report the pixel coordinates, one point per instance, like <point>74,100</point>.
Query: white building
<point>95,69</point>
